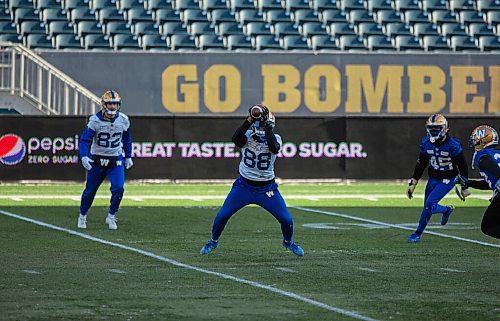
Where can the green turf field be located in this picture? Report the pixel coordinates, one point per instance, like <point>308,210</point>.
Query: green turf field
<point>357,263</point>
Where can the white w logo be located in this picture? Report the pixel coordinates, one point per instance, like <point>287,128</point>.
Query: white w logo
<point>270,194</point>
<point>481,133</point>
<point>104,162</point>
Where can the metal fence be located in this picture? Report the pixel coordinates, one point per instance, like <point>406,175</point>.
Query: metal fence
<point>25,74</point>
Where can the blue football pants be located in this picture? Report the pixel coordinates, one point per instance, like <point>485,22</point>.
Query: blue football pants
<point>95,177</point>
<point>267,197</point>
<point>435,191</point>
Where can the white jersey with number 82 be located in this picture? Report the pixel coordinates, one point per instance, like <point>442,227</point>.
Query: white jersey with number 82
<point>108,135</point>
<point>257,161</point>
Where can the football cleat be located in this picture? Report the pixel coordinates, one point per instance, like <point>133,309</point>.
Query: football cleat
<point>82,221</point>
<point>447,214</point>
<point>209,247</point>
<point>414,238</point>
<point>436,127</point>
<point>294,247</point>
<point>111,221</point>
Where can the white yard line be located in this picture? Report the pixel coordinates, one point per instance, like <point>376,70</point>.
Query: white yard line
<point>117,271</point>
<point>452,270</point>
<point>284,269</point>
<point>31,272</point>
<point>273,289</point>
<point>356,218</point>
<point>367,269</point>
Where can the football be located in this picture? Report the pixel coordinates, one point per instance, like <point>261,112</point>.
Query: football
<point>256,112</point>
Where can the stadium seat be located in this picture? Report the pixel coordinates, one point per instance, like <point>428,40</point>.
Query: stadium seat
<point>480,29</point>
<point>209,5</point>
<point>487,5</point>
<point>84,28</point>
<point>65,41</point>
<point>143,28</point>
<point>125,42</point>
<point>38,41</point>
<point>452,29</point>
<point>375,43</point>
<point>193,15</point>
<point>348,5</point>
<point>249,15</point>
<point>323,43</point>
<point>5,15</point>
<point>31,27</point>
<point>303,15</point>
<point>166,15</point>
<point>403,43</point>
<point>404,5</point>
<point>106,15</point>
<point>14,4</point>
<point>431,5</point>
<point>60,27</point>
<point>44,4</point>
<point>281,29</point>
<point>292,5</point>
<point>459,5</point>
<point>369,29</point>
<point>488,43</point>
<point>221,15</point>
<point>182,5</point>
<point>72,4</point>
<point>387,16</point>
<point>11,37</point>
<point>199,28</point>
<point>97,5</point>
<point>81,14</point>
<point>266,42</point>
<point>264,5</point>
<point>332,15</point>
<point>209,42</point>
<point>237,5</point>
<point>95,41</point>
<point>443,16</point>
<point>415,16</point>
<point>337,29</point>
<point>135,15</point>
<point>171,28</point>
<point>425,29</point>
<point>25,14</point>
<point>291,42</point>
<point>238,42</point>
<point>154,42</point>
<point>54,14</point>
<point>322,5</point>
<point>493,17</point>
<point>116,27</point>
<point>256,28</point>
<point>126,5</point>
<point>309,29</point>
<point>432,43</point>
<point>396,29</point>
<point>274,16</point>
<point>358,16</point>
<point>7,27</point>
<point>350,42</point>
<point>181,41</point>
<point>471,16</point>
<point>154,5</point>
<point>461,43</point>
<point>229,28</point>
<point>377,5</point>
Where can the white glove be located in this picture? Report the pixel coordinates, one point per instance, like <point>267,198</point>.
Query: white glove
<point>412,183</point>
<point>128,163</point>
<point>87,163</point>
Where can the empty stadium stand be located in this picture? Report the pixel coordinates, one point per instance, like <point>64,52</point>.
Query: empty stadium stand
<point>319,25</point>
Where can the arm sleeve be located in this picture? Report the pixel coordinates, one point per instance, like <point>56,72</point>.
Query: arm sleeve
<point>461,164</point>
<point>478,184</point>
<point>422,162</point>
<point>85,140</point>
<point>127,143</point>
<point>272,142</point>
<point>239,138</point>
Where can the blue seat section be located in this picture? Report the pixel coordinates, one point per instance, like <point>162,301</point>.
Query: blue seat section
<point>353,25</point>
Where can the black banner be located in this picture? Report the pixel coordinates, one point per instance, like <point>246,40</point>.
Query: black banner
<point>35,148</point>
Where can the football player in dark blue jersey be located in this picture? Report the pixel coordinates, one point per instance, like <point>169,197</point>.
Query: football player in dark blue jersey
<point>484,139</point>
<point>446,160</point>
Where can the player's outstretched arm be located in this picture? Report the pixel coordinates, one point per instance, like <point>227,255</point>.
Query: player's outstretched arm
<point>239,138</point>
<point>422,162</point>
<point>486,163</point>
<point>127,148</point>
<point>272,142</point>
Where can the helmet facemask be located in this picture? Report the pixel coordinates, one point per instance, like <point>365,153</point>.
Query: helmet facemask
<point>110,104</point>
<point>436,128</point>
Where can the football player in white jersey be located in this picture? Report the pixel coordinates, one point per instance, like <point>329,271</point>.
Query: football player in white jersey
<point>108,136</point>
<point>255,184</point>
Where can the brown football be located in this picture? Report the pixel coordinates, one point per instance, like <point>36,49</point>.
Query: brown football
<point>256,112</point>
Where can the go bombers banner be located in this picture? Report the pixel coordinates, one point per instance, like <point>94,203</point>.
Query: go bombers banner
<point>46,148</point>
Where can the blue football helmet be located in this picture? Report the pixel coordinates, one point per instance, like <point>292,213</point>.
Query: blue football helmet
<point>436,127</point>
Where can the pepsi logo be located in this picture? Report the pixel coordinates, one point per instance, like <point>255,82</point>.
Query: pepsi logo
<point>12,149</point>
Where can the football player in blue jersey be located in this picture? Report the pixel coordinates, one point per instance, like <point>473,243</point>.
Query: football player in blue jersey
<point>446,160</point>
<point>484,139</point>
<point>107,134</point>
<point>255,184</point>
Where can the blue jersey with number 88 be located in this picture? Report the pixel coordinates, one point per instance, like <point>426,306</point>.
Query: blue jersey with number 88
<point>257,161</point>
